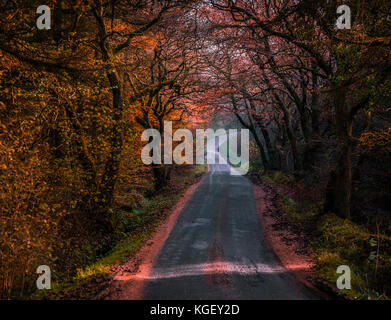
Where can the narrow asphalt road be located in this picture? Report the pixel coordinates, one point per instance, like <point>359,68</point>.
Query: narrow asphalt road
<point>216,249</point>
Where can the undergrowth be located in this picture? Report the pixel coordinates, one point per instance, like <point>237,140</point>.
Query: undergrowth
<point>278,177</point>
<point>135,227</point>
<point>295,211</point>
<point>340,242</point>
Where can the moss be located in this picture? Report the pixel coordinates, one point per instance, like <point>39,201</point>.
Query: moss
<point>119,254</point>
<point>342,242</point>
<point>278,177</point>
<point>297,212</point>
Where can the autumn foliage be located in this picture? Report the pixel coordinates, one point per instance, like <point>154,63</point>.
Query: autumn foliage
<point>71,102</point>
<point>75,99</point>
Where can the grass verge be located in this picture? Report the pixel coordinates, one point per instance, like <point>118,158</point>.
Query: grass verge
<point>339,242</point>
<point>139,225</point>
<point>343,242</point>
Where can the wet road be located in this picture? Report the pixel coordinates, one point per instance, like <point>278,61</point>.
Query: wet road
<point>216,249</point>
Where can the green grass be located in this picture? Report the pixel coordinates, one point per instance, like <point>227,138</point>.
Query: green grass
<point>342,242</point>
<point>297,212</point>
<point>278,177</point>
<point>119,254</point>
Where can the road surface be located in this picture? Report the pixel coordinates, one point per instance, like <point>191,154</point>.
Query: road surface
<point>216,249</point>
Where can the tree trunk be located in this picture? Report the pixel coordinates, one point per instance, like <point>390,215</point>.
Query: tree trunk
<point>274,158</point>
<point>251,127</point>
<point>291,135</point>
<point>161,174</point>
<point>110,174</point>
<point>264,158</point>
<point>343,171</point>
<point>315,111</point>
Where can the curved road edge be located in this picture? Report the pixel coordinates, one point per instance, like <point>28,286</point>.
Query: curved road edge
<point>299,265</point>
<point>129,281</point>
